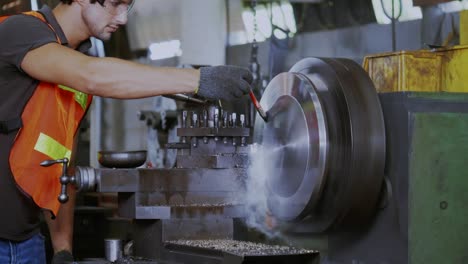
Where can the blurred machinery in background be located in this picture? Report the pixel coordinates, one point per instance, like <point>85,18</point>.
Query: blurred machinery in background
<point>9,7</point>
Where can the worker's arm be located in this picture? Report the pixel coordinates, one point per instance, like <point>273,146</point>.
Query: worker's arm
<point>117,78</point>
<point>61,228</point>
<point>107,77</point>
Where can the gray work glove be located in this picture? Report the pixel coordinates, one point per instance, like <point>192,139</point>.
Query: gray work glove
<point>61,257</point>
<point>224,82</point>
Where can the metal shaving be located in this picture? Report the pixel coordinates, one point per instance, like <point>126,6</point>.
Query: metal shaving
<point>242,248</point>
<point>124,261</point>
<point>132,260</point>
<point>203,205</point>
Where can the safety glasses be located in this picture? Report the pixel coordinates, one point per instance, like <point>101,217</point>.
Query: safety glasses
<point>116,7</point>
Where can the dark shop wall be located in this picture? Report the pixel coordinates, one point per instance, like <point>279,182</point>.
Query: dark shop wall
<point>354,42</point>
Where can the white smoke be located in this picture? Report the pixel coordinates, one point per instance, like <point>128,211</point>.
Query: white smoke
<point>258,215</point>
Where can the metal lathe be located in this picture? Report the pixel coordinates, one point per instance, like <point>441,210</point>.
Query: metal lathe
<point>362,165</point>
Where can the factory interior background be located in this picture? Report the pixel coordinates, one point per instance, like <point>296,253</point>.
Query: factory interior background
<point>414,53</point>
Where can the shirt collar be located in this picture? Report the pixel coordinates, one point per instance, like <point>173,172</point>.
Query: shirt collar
<point>49,16</point>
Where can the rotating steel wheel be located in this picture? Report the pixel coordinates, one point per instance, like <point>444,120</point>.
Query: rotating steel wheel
<point>326,144</point>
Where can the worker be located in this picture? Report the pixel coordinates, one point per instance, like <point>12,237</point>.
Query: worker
<point>46,85</point>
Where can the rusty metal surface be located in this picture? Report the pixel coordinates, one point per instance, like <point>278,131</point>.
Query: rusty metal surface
<point>223,161</point>
<point>437,70</point>
<point>184,206</point>
<point>169,198</point>
<point>131,207</point>
<point>152,180</point>
<point>175,193</point>
<point>180,198</point>
<point>193,211</point>
<point>405,71</point>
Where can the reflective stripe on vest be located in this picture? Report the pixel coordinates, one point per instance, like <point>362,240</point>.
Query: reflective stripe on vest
<point>51,148</point>
<point>80,97</point>
<point>50,120</point>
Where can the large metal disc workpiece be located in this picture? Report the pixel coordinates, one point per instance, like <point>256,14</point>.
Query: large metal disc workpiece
<point>325,140</point>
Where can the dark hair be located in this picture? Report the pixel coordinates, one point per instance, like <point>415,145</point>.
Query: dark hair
<point>69,2</point>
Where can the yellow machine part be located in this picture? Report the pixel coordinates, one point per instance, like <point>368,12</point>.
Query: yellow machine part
<point>464,27</point>
<point>440,70</point>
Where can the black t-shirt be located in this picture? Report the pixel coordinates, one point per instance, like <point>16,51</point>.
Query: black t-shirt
<point>19,34</point>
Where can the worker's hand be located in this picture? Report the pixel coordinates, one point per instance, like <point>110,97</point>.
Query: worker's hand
<point>61,257</point>
<point>224,82</point>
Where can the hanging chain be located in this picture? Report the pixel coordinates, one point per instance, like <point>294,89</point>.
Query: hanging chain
<point>255,25</point>
<point>254,65</point>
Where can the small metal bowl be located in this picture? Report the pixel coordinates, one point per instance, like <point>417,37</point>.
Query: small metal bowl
<point>122,159</point>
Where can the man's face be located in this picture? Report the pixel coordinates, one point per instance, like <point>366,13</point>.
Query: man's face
<point>105,16</point>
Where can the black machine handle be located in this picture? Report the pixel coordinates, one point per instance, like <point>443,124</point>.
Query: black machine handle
<point>64,179</point>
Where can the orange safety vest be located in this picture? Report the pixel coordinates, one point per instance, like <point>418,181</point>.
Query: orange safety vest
<point>50,120</point>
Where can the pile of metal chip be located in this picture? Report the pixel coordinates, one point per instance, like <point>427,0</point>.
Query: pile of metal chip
<point>242,248</point>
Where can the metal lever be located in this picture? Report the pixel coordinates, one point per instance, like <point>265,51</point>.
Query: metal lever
<point>64,179</point>
<point>186,98</point>
<point>264,115</point>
